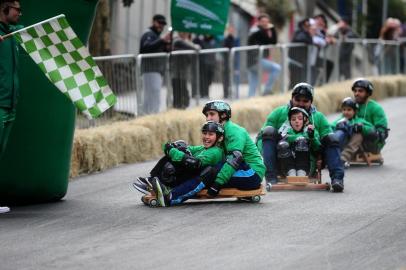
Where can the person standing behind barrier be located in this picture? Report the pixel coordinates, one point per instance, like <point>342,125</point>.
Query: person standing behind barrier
<point>207,64</point>
<point>180,65</point>
<point>265,34</point>
<point>321,39</point>
<point>298,67</point>
<point>342,31</point>
<point>153,68</point>
<point>390,31</point>
<point>229,42</point>
<point>10,12</point>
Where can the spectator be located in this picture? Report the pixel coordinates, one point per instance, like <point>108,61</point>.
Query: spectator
<point>321,40</point>
<point>10,13</point>
<point>229,42</point>
<point>207,63</point>
<point>153,68</point>
<point>342,31</point>
<point>180,66</point>
<point>385,55</point>
<point>264,34</point>
<point>298,54</point>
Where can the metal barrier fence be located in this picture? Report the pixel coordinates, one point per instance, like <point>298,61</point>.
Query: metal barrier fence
<point>149,83</point>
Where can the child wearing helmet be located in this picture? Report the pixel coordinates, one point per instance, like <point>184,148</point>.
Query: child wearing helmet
<point>351,129</point>
<point>268,137</point>
<point>185,170</point>
<point>299,141</point>
<point>243,168</point>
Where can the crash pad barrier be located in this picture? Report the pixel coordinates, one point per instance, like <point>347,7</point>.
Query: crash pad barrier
<point>141,139</point>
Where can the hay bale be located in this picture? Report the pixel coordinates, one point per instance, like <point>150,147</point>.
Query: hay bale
<point>141,139</point>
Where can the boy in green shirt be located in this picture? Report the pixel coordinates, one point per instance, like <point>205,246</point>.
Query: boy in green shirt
<point>298,142</point>
<point>351,129</point>
<point>185,170</point>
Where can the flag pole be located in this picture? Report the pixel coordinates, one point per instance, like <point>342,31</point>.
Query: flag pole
<point>31,26</point>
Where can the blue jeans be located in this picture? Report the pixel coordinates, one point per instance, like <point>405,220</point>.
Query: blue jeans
<point>331,155</point>
<point>269,156</point>
<point>273,69</point>
<point>244,178</point>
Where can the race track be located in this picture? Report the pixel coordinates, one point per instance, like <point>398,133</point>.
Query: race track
<point>101,224</point>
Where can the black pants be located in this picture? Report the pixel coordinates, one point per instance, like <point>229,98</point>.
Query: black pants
<point>175,177</point>
<point>180,93</point>
<point>301,161</point>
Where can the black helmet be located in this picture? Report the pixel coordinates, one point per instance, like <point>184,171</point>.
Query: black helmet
<point>363,83</point>
<point>218,106</point>
<point>213,127</point>
<point>349,102</point>
<point>303,89</point>
<point>296,110</point>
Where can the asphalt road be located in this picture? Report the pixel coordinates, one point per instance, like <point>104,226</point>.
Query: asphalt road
<point>101,224</point>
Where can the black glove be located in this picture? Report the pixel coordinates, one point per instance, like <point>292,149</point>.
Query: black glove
<point>310,133</point>
<point>213,190</point>
<point>382,135</point>
<point>168,146</point>
<point>357,128</point>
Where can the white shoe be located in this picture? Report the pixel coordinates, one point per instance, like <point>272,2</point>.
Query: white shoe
<point>4,209</point>
<point>301,173</point>
<point>292,172</point>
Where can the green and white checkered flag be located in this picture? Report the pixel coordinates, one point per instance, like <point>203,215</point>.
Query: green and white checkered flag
<point>67,63</point>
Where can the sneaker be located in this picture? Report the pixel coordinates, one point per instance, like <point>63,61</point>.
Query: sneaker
<point>161,191</point>
<point>301,173</point>
<point>337,185</point>
<point>143,185</point>
<point>292,172</point>
<point>4,209</point>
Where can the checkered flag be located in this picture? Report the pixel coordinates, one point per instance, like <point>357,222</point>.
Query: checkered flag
<point>67,63</point>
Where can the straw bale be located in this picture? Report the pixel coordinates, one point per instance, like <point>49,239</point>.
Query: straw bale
<point>141,139</point>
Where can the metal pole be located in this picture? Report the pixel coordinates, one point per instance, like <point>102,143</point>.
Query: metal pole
<point>355,15</point>
<point>308,64</point>
<point>284,70</point>
<point>258,91</point>
<point>384,11</point>
<point>364,19</point>
<point>139,82</point>
<point>197,79</point>
<point>231,56</point>
<point>127,30</point>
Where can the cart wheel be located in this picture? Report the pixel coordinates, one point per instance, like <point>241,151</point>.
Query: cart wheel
<point>268,187</point>
<point>144,201</point>
<point>328,186</point>
<point>153,203</point>
<point>256,199</point>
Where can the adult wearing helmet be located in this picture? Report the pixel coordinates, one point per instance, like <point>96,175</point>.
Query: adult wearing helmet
<point>372,112</point>
<point>185,170</point>
<point>277,122</point>
<point>350,130</point>
<point>243,168</point>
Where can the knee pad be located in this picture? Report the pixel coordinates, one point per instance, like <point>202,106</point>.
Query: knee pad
<point>235,159</point>
<point>371,136</point>
<point>331,140</point>
<point>283,149</point>
<point>168,169</point>
<point>208,175</point>
<point>269,133</point>
<point>301,144</point>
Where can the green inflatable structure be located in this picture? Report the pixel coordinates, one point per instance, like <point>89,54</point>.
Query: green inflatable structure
<point>35,166</point>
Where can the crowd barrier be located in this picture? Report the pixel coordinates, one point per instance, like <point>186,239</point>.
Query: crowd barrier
<point>141,139</point>
<point>151,83</point>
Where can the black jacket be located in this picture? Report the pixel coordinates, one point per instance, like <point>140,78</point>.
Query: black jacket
<point>152,43</point>
<point>260,37</point>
